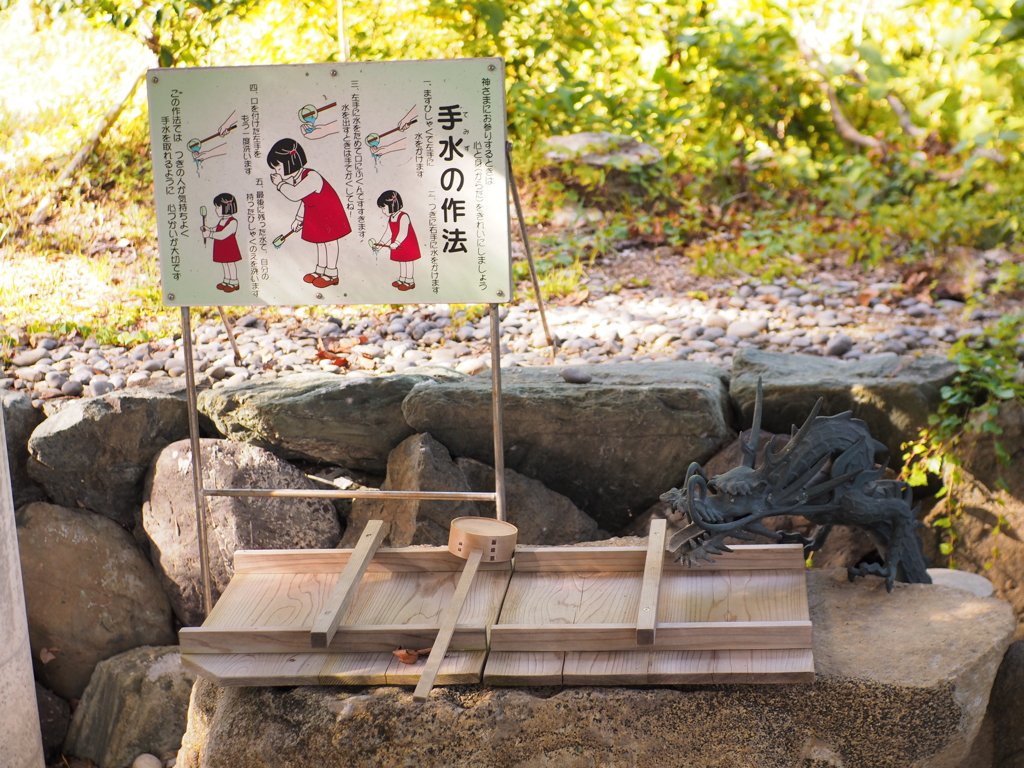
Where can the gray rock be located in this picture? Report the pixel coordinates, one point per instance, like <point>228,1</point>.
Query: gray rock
<point>576,376</point>
<point>743,329</point>
<point>612,447</point>
<point>72,388</point>
<point>54,719</point>
<point>894,396</point>
<point>839,345</point>
<point>94,453</point>
<point>350,421</point>
<point>136,702</point>
<point>89,594</point>
<point>30,357</point>
<point>20,419</point>
<point>894,689</point>
<point>541,515</point>
<point>169,516</point>
<point>419,463</point>
<point>100,388</point>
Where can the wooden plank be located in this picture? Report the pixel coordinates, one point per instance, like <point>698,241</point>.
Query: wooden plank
<point>740,595</point>
<point>457,668</point>
<point>286,599</point>
<point>344,588</point>
<point>411,598</point>
<point>759,666</point>
<point>355,668</point>
<point>647,608</point>
<point>542,598</point>
<point>401,560</point>
<point>236,669</point>
<point>582,559</point>
<point>681,667</point>
<point>447,629</point>
<point>509,668</point>
<point>707,635</point>
<point>348,639</point>
<point>602,668</point>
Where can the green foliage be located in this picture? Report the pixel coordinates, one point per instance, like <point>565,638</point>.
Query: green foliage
<point>179,31</point>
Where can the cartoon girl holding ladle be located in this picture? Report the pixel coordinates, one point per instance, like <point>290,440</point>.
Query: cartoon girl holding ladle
<point>320,219</point>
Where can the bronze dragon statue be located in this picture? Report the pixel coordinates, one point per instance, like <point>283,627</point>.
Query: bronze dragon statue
<point>826,473</point>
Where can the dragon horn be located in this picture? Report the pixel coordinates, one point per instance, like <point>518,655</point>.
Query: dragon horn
<point>750,449</point>
<point>799,435</point>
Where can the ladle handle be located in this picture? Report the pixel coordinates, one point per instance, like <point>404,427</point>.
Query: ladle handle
<point>444,634</point>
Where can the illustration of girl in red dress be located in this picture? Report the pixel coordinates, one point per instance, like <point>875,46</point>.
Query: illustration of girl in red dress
<point>225,246</point>
<point>400,238</point>
<point>321,217</point>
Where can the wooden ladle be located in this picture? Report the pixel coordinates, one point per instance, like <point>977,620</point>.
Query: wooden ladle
<point>476,540</point>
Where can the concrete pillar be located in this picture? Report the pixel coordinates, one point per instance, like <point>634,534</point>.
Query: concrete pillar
<point>22,745</point>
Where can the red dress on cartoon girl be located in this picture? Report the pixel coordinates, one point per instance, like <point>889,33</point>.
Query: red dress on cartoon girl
<point>225,246</point>
<point>226,251</point>
<point>408,249</point>
<point>324,218</point>
<point>399,238</point>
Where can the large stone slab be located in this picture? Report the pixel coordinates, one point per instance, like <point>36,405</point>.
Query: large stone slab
<point>893,395</point>
<point>136,702</point>
<point>95,452</point>
<point>20,419</point>
<point>351,421</point>
<point>612,446</point>
<point>169,517</point>
<point>90,594</point>
<point>903,682</point>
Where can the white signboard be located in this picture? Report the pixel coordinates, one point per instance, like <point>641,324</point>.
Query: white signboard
<point>367,183</point>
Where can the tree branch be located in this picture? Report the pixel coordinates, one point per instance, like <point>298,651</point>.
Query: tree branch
<point>843,126</point>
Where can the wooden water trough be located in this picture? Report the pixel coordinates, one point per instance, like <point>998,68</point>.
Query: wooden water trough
<point>547,616</point>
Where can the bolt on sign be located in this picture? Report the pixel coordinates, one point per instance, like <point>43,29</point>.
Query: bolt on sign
<point>360,183</point>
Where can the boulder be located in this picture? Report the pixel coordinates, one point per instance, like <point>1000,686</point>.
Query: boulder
<point>980,548</point>
<point>1005,707</point>
<point>169,516</point>
<point>419,463</point>
<point>978,450</point>
<point>136,702</point>
<point>895,688</point>
<point>350,421</point>
<point>612,446</point>
<point>541,515</point>
<point>90,594</point>
<point>54,719</point>
<point>95,452</point>
<point>20,418</point>
<point>893,395</point>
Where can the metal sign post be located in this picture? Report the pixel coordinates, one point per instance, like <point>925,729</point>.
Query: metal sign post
<point>326,184</point>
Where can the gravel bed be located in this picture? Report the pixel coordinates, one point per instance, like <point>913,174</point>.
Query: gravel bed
<point>819,317</point>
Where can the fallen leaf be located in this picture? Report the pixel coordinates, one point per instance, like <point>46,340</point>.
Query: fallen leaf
<point>865,297</point>
<point>409,656</point>
<point>46,655</point>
